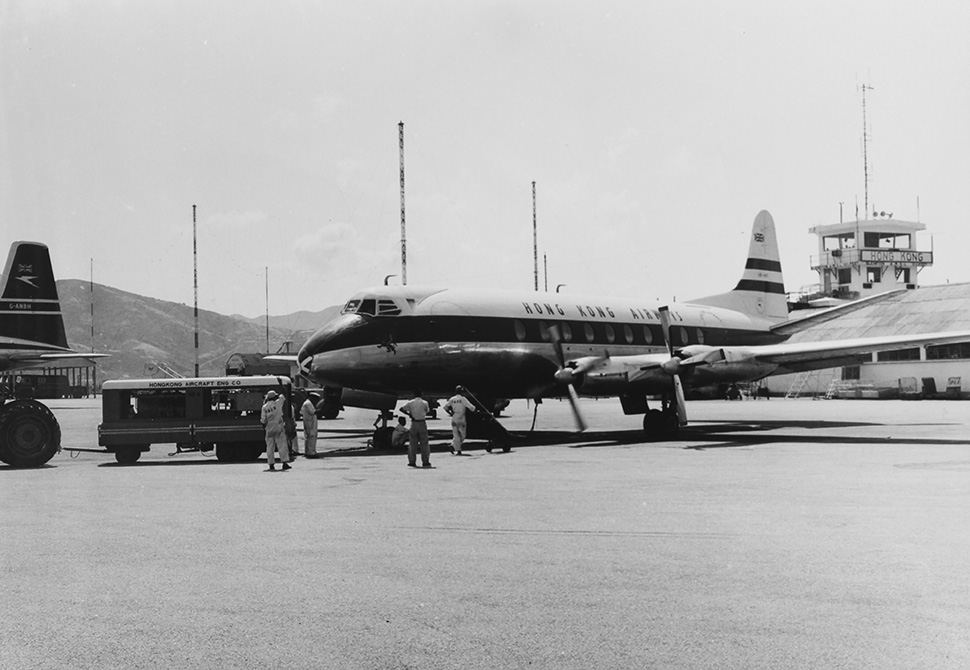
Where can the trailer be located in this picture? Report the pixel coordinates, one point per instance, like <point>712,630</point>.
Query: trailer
<point>193,413</point>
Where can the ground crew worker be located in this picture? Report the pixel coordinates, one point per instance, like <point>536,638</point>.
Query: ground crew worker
<point>456,407</point>
<point>417,408</point>
<point>309,412</point>
<point>400,433</point>
<point>271,416</point>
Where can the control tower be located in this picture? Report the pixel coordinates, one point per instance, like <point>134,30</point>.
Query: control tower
<point>861,258</point>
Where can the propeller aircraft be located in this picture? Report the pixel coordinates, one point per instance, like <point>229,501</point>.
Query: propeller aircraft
<point>391,340</point>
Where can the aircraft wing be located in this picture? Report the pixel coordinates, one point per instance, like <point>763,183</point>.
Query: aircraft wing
<point>801,356</point>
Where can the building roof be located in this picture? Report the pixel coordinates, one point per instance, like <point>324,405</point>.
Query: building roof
<point>894,226</point>
<point>929,309</point>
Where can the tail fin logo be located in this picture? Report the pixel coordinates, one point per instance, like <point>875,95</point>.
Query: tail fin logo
<point>759,237</point>
<point>27,275</point>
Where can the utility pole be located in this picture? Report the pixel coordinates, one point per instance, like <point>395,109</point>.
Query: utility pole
<point>535,237</point>
<point>404,243</point>
<point>195,286</point>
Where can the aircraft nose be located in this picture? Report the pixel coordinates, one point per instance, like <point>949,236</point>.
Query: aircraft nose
<point>325,345</point>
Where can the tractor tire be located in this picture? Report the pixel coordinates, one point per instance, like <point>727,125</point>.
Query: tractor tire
<point>29,434</point>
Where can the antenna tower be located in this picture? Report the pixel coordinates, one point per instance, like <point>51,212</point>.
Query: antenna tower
<point>195,288</point>
<point>535,237</point>
<point>865,150</point>
<point>404,243</point>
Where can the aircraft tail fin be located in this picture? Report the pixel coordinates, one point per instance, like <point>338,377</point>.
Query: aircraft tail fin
<point>30,310</point>
<point>761,291</point>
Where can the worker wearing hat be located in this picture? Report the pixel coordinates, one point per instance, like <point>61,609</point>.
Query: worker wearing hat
<point>456,407</point>
<point>271,416</point>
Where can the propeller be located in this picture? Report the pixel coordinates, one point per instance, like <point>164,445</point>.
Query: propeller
<point>673,367</point>
<point>567,375</point>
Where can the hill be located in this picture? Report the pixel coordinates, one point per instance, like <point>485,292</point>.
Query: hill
<point>139,331</point>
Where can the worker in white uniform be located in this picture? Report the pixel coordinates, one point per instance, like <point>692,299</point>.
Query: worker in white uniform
<point>418,409</point>
<point>456,406</point>
<point>271,416</point>
<point>309,412</point>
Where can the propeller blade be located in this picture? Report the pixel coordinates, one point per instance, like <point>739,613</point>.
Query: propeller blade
<point>574,403</point>
<point>665,325</point>
<point>681,401</point>
<point>673,367</point>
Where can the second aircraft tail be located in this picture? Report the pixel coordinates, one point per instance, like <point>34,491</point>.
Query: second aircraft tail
<point>30,311</point>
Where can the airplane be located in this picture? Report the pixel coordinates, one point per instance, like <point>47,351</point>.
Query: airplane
<point>391,340</point>
<point>31,335</point>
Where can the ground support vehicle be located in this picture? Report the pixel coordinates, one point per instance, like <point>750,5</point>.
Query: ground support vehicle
<point>195,414</point>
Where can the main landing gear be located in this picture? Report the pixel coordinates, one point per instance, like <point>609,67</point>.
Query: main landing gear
<point>662,424</point>
<point>29,434</point>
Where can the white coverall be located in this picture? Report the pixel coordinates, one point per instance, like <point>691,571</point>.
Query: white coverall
<point>456,406</point>
<point>309,412</point>
<point>271,417</point>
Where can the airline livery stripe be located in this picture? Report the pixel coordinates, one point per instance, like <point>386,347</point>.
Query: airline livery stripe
<point>762,264</point>
<point>760,286</point>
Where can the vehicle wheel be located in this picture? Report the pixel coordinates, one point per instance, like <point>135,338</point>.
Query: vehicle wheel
<point>127,455</point>
<point>29,434</point>
<point>251,451</point>
<point>227,453</point>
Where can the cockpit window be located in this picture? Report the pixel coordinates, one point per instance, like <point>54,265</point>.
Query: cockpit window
<point>372,307</point>
<point>387,308</point>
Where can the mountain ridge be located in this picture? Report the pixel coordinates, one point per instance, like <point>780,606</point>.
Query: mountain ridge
<point>140,331</point>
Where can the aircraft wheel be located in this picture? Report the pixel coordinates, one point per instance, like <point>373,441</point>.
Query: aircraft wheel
<point>127,455</point>
<point>329,411</point>
<point>29,434</point>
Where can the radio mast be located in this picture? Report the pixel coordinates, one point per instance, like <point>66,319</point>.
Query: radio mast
<point>404,243</point>
<point>195,287</point>
<point>535,237</point>
<point>865,152</point>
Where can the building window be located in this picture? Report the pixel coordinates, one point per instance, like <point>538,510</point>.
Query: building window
<point>902,275</point>
<point>872,275</point>
<point>945,352</point>
<point>845,276</point>
<point>911,354</point>
<point>850,373</point>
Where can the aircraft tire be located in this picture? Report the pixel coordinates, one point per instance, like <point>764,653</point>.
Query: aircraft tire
<point>29,434</point>
<point>329,411</point>
<point>127,455</point>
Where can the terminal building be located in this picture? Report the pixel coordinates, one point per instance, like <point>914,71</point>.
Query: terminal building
<point>860,259</point>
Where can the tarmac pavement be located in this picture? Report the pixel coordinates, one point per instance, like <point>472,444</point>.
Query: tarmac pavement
<point>774,534</point>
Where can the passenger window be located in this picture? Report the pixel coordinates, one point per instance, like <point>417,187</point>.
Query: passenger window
<point>628,334</point>
<point>544,331</point>
<point>647,335</point>
<point>682,335</point>
<point>519,331</point>
<point>610,334</point>
<point>588,332</point>
<point>700,336</point>
<point>567,332</point>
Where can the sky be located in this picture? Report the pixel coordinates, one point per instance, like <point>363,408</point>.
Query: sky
<point>654,131</point>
